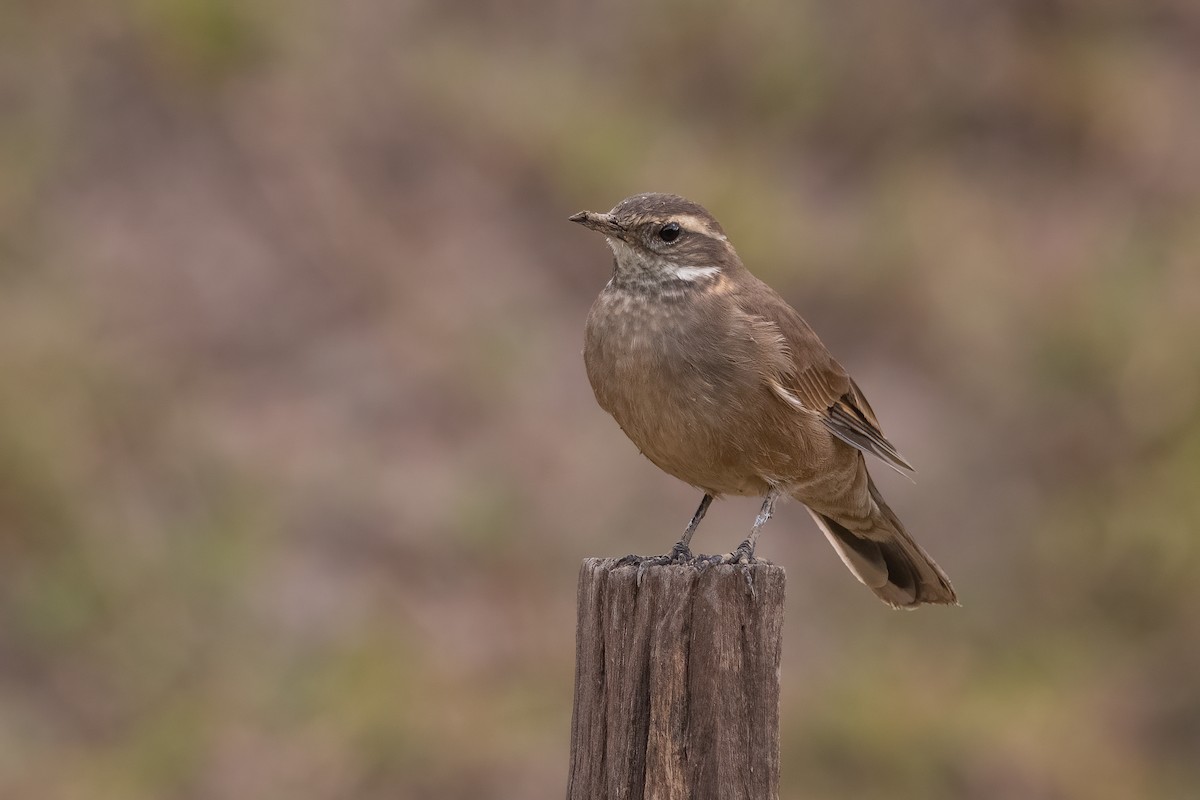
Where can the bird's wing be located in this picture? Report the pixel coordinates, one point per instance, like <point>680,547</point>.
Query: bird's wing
<point>804,375</point>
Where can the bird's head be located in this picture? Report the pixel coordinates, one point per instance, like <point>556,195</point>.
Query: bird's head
<point>662,237</point>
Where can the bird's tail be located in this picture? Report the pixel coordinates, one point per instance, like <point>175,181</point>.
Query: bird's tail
<point>887,560</point>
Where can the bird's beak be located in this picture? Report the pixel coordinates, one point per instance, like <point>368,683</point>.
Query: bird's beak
<point>603,223</point>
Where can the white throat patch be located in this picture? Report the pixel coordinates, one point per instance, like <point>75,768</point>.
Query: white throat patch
<point>694,273</point>
<point>657,265</point>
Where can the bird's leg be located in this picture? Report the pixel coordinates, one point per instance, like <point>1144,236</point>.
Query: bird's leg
<point>745,551</point>
<point>682,549</point>
<point>680,553</point>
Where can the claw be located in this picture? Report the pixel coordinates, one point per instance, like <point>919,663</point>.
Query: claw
<point>680,554</point>
<point>643,563</point>
<point>651,561</point>
<point>744,554</point>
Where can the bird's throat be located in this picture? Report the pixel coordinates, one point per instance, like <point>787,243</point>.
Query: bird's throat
<point>637,271</point>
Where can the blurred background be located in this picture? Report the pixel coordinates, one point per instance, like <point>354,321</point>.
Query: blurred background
<point>298,459</point>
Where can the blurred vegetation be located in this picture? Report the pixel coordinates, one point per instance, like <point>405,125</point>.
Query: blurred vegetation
<point>297,456</point>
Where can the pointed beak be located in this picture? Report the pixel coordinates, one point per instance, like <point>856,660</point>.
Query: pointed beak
<point>602,223</point>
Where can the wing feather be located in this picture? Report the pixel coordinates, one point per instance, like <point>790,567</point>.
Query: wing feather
<point>806,375</point>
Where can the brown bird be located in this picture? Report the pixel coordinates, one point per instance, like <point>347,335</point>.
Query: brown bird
<point>719,382</point>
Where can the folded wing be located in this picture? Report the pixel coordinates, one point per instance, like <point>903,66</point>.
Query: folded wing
<point>807,377</point>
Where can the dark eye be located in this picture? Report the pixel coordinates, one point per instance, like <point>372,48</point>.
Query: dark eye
<point>669,232</point>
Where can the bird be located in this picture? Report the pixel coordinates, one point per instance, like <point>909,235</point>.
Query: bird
<point>720,383</point>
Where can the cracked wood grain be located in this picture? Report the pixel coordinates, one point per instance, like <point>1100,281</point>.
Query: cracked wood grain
<point>676,683</point>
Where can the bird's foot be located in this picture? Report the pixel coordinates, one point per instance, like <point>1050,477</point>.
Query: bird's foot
<point>680,554</point>
<point>633,560</point>
<point>743,555</point>
<point>644,563</point>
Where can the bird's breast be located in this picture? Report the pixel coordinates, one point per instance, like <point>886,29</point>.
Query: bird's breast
<point>643,354</point>
<point>681,386</point>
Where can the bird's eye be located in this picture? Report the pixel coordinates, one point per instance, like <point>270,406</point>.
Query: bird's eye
<point>669,232</point>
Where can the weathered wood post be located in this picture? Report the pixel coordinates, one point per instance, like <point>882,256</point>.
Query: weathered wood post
<point>676,683</point>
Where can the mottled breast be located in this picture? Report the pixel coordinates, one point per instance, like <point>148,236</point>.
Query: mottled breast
<point>682,385</point>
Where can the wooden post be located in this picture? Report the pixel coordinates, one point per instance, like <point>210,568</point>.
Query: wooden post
<point>676,683</point>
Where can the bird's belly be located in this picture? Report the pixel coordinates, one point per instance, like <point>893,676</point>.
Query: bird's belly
<point>694,411</point>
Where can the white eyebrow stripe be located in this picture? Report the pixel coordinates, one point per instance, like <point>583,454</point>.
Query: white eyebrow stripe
<point>692,222</point>
<point>694,273</point>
